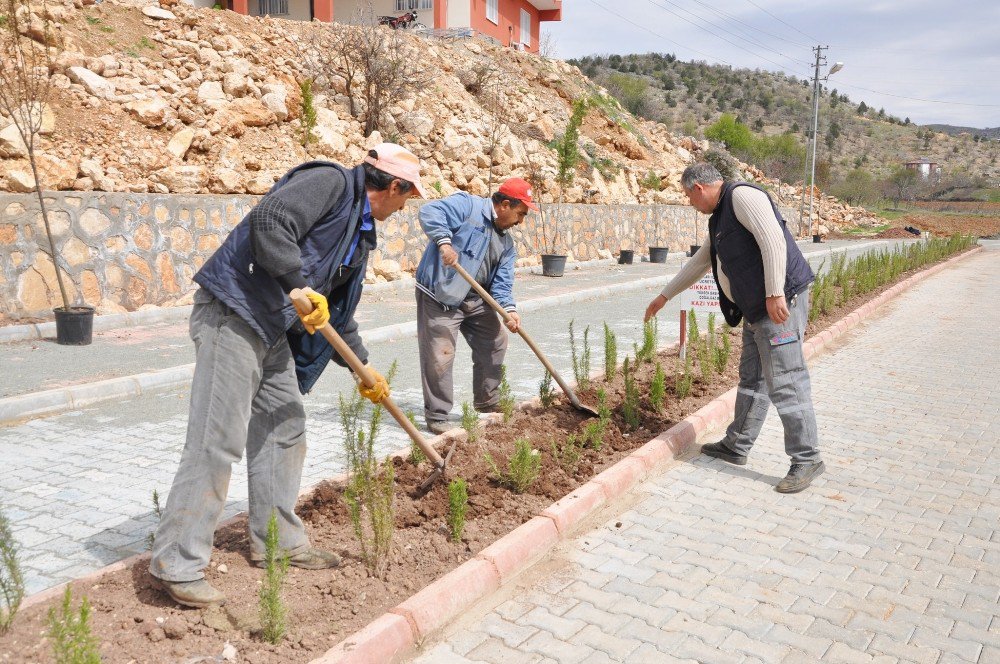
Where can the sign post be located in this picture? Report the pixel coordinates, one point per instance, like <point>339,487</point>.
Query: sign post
<point>703,296</point>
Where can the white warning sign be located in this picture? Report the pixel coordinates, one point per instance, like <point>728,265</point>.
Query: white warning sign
<point>702,296</point>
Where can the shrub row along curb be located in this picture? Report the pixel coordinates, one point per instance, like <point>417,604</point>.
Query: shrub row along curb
<point>398,632</point>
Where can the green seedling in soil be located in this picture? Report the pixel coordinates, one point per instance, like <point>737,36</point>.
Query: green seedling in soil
<point>581,362</point>
<point>545,393</point>
<point>658,388</point>
<point>568,454</point>
<point>593,433</point>
<point>151,537</point>
<point>417,455</point>
<point>273,612</point>
<point>370,492</point>
<point>309,115</point>
<point>11,577</point>
<point>458,503</point>
<point>630,406</point>
<point>470,421</point>
<point>522,468</point>
<point>694,336</point>
<point>647,351</point>
<point>684,381</point>
<point>610,353</point>
<point>69,632</point>
<point>506,395</point>
<point>722,351</point>
<point>705,363</point>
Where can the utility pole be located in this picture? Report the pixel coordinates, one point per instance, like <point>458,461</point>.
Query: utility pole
<point>810,166</point>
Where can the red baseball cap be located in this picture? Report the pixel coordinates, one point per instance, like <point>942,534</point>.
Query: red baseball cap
<point>519,189</point>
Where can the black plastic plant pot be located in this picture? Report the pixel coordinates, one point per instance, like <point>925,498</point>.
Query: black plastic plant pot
<point>74,326</point>
<point>625,256</point>
<point>817,238</point>
<point>553,265</point>
<point>694,248</point>
<point>658,254</point>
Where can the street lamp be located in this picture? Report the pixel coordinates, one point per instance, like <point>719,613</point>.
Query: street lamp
<point>837,66</point>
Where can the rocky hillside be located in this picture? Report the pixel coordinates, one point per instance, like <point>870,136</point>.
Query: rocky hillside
<point>204,101</point>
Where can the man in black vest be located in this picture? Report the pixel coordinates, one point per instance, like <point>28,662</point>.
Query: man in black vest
<point>254,356</point>
<point>764,281</point>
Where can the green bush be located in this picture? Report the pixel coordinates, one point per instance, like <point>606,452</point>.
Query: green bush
<point>568,454</point>
<point>658,388</point>
<point>545,393</point>
<point>581,361</point>
<point>630,406</point>
<point>610,353</point>
<point>11,577</point>
<point>506,396</point>
<point>522,468</point>
<point>593,432</point>
<point>470,422</point>
<point>273,612</point>
<point>458,503</point>
<point>682,385</point>
<point>309,117</point>
<point>69,632</point>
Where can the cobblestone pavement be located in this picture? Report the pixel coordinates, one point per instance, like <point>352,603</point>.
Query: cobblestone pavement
<point>892,555</point>
<point>77,487</point>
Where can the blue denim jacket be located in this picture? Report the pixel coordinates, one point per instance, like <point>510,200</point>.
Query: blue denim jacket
<point>464,221</point>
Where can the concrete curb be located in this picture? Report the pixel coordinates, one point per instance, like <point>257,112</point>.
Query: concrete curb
<point>450,596</point>
<point>63,399</point>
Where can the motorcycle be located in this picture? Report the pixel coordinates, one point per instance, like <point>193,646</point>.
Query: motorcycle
<point>407,20</point>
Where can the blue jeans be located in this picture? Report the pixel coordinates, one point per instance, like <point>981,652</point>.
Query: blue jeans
<point>244,396</point>
<point>773,370</point>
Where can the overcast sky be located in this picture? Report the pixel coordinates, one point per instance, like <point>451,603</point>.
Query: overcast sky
<point>907,56</point>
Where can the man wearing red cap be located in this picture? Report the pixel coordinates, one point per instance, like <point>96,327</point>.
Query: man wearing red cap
<point>255,353</point>
<point>471,231</point>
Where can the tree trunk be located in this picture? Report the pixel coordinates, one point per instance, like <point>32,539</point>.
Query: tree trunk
<point>48,228</point>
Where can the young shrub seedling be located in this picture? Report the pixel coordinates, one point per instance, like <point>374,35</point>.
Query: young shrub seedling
<point>581,362</point>
<point>610,353</point>
<point>151,537</point>
<point>506,396</point>
<point>458,503</point>
<point>370,491</point>
<point>11,578</point>
<point>647,351</point>
<point>684,380</point>
<point>723,351</point>
<point>658,388</point>
<point>567,455</point>
<point>593,433</point>
<point>630,407</point>
<point>417,455</point>
<point>522,468</point>
<point>470,421</point>
<point>273,612</point>
<point>69,631</point>
<point>545,393</point>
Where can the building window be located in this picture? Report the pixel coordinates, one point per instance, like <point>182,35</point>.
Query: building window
<point>525,28</point>
<point>493,11</point>
<point>272,7</point>
<point>407,5</point>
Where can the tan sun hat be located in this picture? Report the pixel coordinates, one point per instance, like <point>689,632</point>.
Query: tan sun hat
<point>398,161</point>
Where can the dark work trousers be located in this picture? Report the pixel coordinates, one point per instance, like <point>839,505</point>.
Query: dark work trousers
<point>437,330</point>
<point>773,370</point>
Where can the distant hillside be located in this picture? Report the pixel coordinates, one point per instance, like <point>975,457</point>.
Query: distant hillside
<point>988,133</point>
<point>690,96</point>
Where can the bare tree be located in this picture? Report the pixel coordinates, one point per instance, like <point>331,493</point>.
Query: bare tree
<point>379,66</point>
<point>547,45</point>
<point>25,89</point>
<point>493,98</point>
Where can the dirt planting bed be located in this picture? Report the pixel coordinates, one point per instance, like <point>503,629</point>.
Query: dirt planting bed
<point>134,622</point>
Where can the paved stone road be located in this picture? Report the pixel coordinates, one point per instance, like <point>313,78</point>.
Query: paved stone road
<point>893,555</point>
<point>77,487</point>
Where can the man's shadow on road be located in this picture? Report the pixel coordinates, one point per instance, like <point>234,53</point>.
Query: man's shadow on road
<point>696,458</point>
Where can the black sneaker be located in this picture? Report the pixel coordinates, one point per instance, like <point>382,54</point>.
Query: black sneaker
<point>799,476</point>
<point>720,451</point>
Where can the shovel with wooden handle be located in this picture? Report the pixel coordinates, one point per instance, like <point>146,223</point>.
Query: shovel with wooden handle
<point>528,340</point>
<point>304,306</point>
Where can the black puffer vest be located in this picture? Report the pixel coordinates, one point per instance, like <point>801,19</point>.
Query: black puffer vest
<point>737,249</point>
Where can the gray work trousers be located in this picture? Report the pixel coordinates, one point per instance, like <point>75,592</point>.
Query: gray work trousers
<point>437,331</point>
<point>244,396</point>
<point>773,370</point>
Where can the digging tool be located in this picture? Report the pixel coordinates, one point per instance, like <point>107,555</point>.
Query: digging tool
<point>304,306</point>
<point>528,340</point>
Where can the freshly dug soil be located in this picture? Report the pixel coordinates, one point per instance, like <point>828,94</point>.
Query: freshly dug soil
<point>135,622</point>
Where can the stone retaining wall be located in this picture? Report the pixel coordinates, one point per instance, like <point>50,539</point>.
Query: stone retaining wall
<point>122,251</point>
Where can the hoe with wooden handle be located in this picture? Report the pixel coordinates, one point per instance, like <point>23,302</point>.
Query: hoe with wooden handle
<point>528,340</point>
<point>303,305</point>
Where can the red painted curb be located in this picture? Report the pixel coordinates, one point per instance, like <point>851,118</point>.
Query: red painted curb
<point>521,547</point>
<point>442,601</point>
<point>383,640</point>
<point>620,477</point>
<point>570,510</point>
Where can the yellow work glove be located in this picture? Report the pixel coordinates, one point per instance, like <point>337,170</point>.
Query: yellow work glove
<point>377,392</point>
<point>319,316</point>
